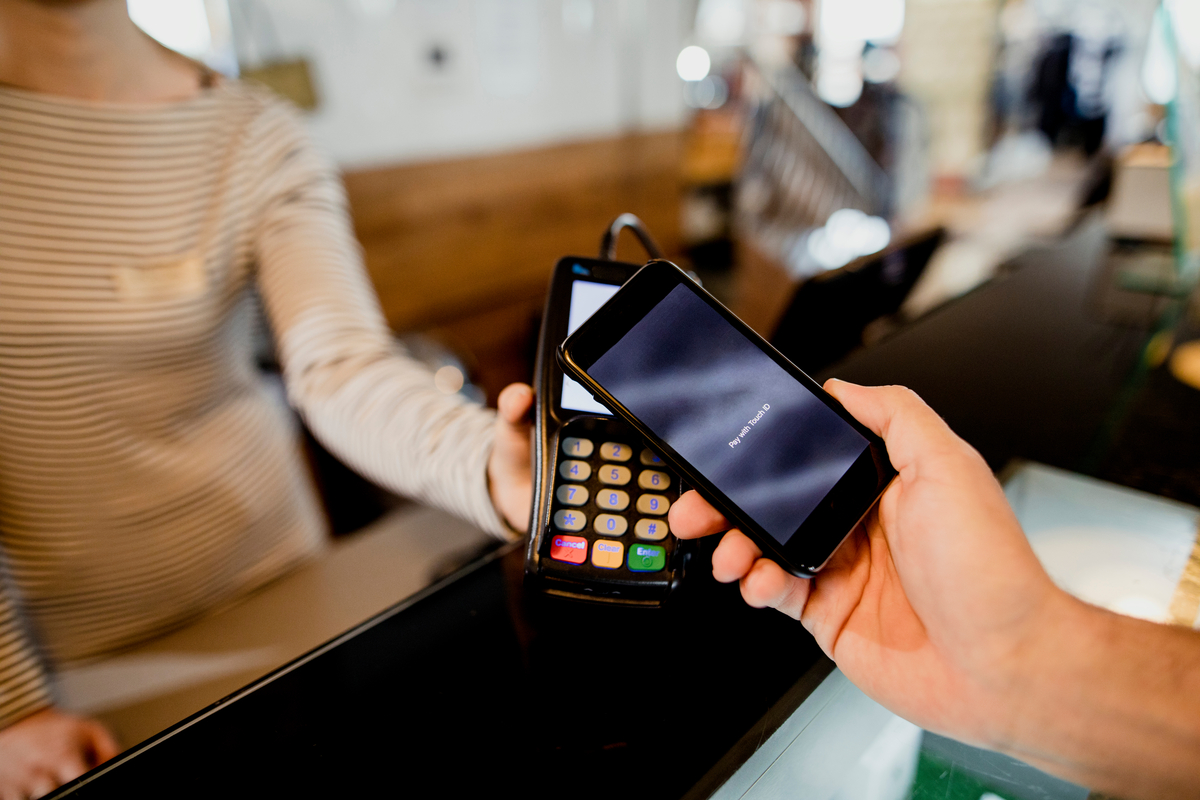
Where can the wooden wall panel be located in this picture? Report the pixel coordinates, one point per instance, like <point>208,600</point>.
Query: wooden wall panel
<point>449,240</point>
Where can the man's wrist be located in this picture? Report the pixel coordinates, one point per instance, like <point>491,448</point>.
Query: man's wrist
<point>1059,686</point>
<point>1043,672</point>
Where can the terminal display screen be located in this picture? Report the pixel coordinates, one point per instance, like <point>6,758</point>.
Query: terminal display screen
<point>586,298</point>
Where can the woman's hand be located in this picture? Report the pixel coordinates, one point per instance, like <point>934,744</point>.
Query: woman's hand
<point>47,749</point>
<point>936,601</point>
<point>510,467</point>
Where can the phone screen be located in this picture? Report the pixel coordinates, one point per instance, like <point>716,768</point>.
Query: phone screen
<point>586,299</point>
<point>759,435</point>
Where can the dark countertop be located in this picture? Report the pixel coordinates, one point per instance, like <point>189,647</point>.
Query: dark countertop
<point>474,688</point>
<point>1025,366</point>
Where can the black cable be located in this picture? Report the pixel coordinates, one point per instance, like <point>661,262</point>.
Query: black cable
<point>608,243</point>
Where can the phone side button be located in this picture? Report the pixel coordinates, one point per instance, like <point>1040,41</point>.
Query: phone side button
<point>651,530</point>
<point>566,520</point>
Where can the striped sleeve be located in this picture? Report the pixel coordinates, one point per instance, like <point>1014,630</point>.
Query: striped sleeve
<point>359,392</point>
<point>24,688</point>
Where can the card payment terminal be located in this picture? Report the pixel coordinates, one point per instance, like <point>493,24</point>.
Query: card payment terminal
<point>599,529</point>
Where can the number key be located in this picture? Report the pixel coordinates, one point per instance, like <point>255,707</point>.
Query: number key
<point>650,458</point>
<point>612,500</point>
<point>613,451</point>
<point>570,495</point>
<point>651,530</point>
<point>575,470</point>
<point>610,525</point>
<point>652,479</point>
<point>580,448</point>
<point>569,520</point>
<point>653,504</point>
<point>614,476</point>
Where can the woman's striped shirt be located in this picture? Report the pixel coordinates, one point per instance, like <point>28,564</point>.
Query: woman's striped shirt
<point>146,473</point>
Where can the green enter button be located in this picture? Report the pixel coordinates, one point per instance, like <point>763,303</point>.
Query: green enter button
<point>647,557</point>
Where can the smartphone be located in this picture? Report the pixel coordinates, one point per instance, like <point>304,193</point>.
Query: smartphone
<point>598,531</point>
<point>762,441</point>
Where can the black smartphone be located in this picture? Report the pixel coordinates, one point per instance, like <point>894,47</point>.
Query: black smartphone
<point>598,530</point>
<point>762,441</point>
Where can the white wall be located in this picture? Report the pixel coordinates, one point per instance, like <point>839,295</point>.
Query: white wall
<point>517,73</point>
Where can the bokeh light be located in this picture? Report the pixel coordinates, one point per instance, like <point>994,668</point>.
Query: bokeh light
<point>693,63</point>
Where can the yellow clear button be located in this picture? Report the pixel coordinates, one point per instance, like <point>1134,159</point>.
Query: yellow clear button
<point>607,555</point>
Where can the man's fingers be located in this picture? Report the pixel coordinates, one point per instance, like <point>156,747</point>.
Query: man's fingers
<point>734,557</point>
<point>768,585</point>
<point>875,406</point>
<point>514,403</point>
<point>898,415</point>
<point>692,516</point>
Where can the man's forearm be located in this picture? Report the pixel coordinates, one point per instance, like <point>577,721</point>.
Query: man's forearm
<point>1112,703</point>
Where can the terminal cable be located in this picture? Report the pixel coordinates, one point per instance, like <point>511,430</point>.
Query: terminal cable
<point>608,243</point>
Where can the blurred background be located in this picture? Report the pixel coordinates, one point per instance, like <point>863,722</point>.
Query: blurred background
<point>833,169</point>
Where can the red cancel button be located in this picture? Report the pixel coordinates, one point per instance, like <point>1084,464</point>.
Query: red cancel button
<point>572,549</point>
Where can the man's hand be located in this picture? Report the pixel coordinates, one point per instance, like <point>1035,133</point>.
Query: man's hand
<point>510,467</point>
<point>936,601</point>
<point>937,607</point>
<point>47,749</point>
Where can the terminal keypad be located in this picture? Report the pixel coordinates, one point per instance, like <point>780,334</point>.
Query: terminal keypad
<point>610,504</point>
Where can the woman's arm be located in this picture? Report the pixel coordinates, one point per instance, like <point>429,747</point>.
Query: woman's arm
<point>359,392</point>
<point>24,688</point>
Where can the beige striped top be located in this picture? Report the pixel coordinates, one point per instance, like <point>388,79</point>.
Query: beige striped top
<point>146,473</point>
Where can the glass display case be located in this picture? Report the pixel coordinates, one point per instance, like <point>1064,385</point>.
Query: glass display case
<point>842,745</point>
<point>1125,550</point>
